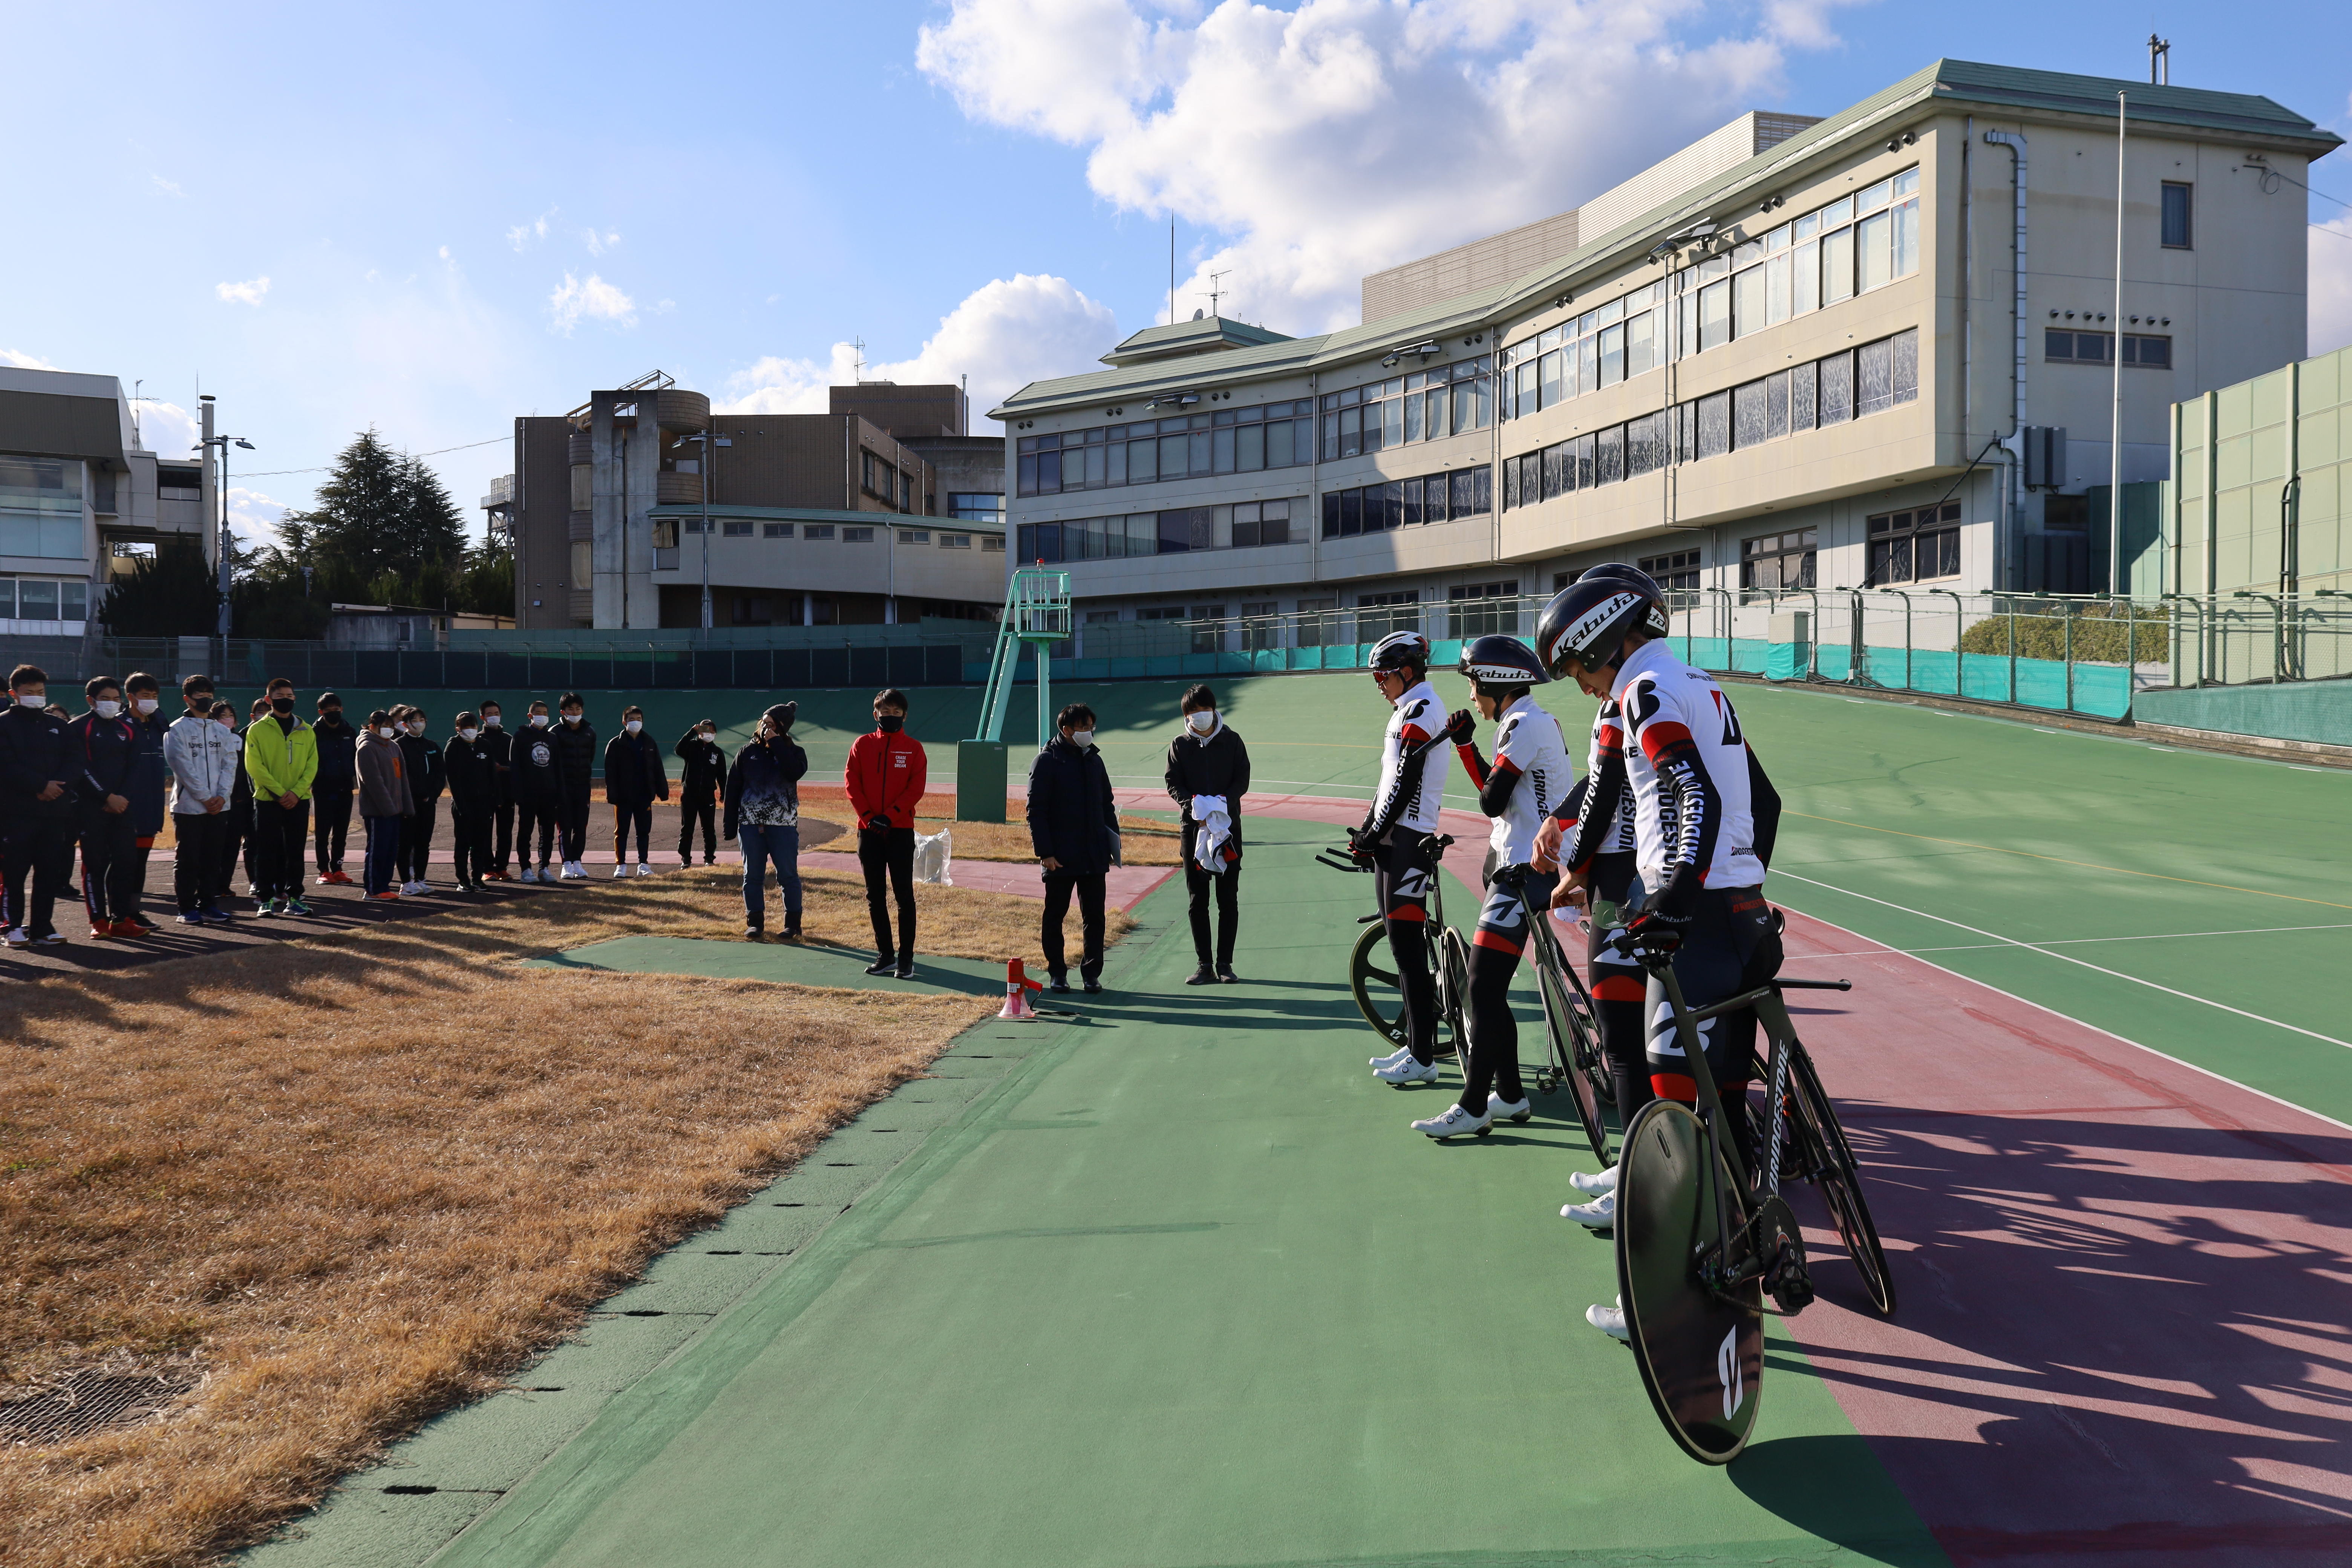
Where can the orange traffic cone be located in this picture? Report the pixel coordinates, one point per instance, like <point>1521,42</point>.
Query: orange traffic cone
<point>1017,986</point>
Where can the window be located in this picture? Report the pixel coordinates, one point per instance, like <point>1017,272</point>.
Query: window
<point>914,536</point>
<point>955,542</point>
<point>1209,629</point>
<point>1260,628</point>
<point>775,530</point>
<point>583,567</point>
<point>1261,522</point>
<point>853,535</point>
<point>1319,621</point>
<point>2062,346</point>
<point>43,599</point>
<point>40,508</point>
<point>697,525</point>
<point>991,542</point>
<point>1406,503</point>
<point>1914,546</point>
<point>1678,573</point>
<point>1777,561</point>
<point>1102,617</point>
<point>2176,216</point>
<point>976,505</point>
<point>735,528</point>
<point>1378,614</point>
<point>1467,616</point>
<point>665,533</point>
<point>817,530</point>
<point>1232,440</point>
<point>1185,530</point>
<point>1160,613</point>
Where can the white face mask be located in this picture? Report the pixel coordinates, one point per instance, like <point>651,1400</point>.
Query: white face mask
<point>710,735</point>
<point>227,724</point>
<point>634,725</point>
<point>468,734</point>
<point>383,732</point>
<point>539,721</point>
<point>492,722</point>
<point>1202,721</point>
<point>1081,739</point>
<point>574,717</point>
<point>417,726</point>
<point>145,705</point>
<point>106,710</point>
<point>32,700</point>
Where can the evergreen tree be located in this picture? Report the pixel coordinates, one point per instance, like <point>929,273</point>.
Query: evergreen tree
<point>356,523</point>
<point>170,594</point>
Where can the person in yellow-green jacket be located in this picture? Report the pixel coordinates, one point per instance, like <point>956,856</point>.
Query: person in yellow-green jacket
<point>281,755</point>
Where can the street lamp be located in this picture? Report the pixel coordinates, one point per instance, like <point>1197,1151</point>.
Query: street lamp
<point>223,442</point>
<point>710,473</point>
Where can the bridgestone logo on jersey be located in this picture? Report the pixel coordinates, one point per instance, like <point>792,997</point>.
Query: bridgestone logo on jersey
<point>1596,620</point>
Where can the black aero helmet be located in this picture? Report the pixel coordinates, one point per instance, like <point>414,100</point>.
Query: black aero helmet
<point>1398,649</point>
<point>1588,621</point>
<point>1641,582</point>
<point>1498,660</point>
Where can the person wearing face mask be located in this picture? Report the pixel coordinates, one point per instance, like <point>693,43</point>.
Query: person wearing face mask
<point>421,755</point>
<point>106,748</point>
<point>1073,828</point>
<point>885,779</point>
<point>281,753</point>
<point>699,791</point>
<point>466,764</point>
<point>39,810</point>
<point>1209,763</point>
<point>574,740</point>
<point>331,791</point>
<point>763,809</point>
<point>202,756</point>
<point>498,745</point>
<point>538,786</point>
<point>237,848</point>
<point>151,781</point>
<point>384,801</point>
<point>635,777</point>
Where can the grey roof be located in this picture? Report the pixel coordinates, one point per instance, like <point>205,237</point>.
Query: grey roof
<point>1945,82</point>
<point>1204,333</point>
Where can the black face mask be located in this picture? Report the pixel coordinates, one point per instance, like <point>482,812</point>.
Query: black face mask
<point>281,705</point>
<point>890,723</point>
<point>331,716</point>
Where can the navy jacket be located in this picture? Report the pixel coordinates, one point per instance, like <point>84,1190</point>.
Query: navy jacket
<point>420,759</point>
<point>575,755</point>
<point>1073,815</point>
<point>339,771</point>
<point>35,750</point>
<point>634,775</point>
<point>151,775</point>
<point>466,764</point>
<point>537,779</point>
<point>706,766</point>
<point>105,757</point>
<point>764,786</point>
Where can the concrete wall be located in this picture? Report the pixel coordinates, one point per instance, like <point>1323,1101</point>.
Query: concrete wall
<point>2312,712</point>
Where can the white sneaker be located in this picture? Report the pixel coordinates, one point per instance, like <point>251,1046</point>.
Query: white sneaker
<point>1585,1182</point>
<point>1394,1057</point>
<point>620,870</point>
<point>423,886</point>
<point>1408,1071</point>
<point>1597,1215</point>
<point>1610,1321</point>
<point>1501,1109</point>
<point>17,937</point>
<point>573,870</point>
<point>1453,1124</point>
<point>644,869</point>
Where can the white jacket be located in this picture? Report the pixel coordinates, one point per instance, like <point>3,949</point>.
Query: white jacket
<point>204,759</point>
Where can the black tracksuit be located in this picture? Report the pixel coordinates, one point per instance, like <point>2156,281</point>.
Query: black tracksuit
<point>536,783</point>
<point>498,745</point>
<point>1073,820</point>
<point>330,791</point>
<point>635,777</point>
<point>699,793</point>
<point>473,784</point>
<point>1218,767</point>
<point>36,835</point>
<point>575,767</point>
<point>420,759</point>
<point>107,752</point>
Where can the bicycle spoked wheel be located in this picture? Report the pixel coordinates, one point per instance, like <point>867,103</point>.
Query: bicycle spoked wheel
<point>1453,958</point>
<point>1839,1180</point>
<point>1571,1040</point>
<point>1701,1355</point>
<point>1373,981</point>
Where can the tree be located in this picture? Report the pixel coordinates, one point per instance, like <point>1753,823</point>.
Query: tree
<point>170,593</point>
<point>383,531</point>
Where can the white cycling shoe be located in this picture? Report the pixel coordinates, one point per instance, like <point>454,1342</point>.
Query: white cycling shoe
<point>1394,1057</point>
<point>1610,1321</point>
<point>1585,1182</point>
<point>1501,1109</point>
<point>1408,1071</point>
<point>1454,1123</point>
<point>1597,1215</point>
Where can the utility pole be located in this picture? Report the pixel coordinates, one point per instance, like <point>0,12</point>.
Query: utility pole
<point>205,445</point>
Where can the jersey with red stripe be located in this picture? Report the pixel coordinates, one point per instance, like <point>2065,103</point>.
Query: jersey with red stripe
<point>1528,745</point>
<point>1410,789</point>
<point>1614,835</point>
<point>1687,764</point>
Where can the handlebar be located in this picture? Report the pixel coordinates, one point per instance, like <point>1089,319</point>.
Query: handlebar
<point>1813,984</point>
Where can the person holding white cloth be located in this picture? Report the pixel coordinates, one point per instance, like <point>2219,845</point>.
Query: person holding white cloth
<point>1208,773</point>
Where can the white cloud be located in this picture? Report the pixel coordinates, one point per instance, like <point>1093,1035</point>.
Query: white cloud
<point>252,514</point>
<point>167,429</point>
<point>444,253</point>
<point>247,293</point>
<point>23,360</point>
<point>1341,137</point>
<point>1003,335</point>
<point>167,186</point>
<point>522,234</point>
<point>574,299</point>
<point>2330,320</point>
<point>598,243</point>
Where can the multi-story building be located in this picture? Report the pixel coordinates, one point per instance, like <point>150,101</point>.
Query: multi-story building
<point>809,519</point>
<point>1800,353</point>
<point>81,497</point>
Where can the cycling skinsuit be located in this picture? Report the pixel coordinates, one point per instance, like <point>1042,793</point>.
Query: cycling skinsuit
<point>1596,823</point>
<point>1527,782</point>
<point>1404,817</point>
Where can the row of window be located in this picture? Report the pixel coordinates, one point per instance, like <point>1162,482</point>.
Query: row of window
<point>40,508</point>
<point>1406,503</point>
<point>666,531</point>
<point>882,477</point>
<point>2065,347</point>
<point>1142,452</point>
<point>976,505</point>
<point>1244,526</point>
<point>1422,406</point>
<point>1914,546</point>
<point>1849,384</point>
<point>1600,348</point>
<point>43,599</point>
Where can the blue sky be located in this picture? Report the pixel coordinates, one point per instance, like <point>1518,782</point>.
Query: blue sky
<point>432,218</point>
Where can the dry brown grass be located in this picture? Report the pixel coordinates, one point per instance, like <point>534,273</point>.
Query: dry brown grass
<point>353,1181</point>
<point>1145,841</point>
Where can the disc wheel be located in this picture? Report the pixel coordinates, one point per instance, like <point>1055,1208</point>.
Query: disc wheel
<point>1453,958</point>
<point>1830,1165</point>
<point>1372,980</point>
<point>1701,1355</point>
<point>1572,1043</point>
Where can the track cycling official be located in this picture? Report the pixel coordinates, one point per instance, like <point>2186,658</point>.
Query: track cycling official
<point>1519,792</point>
<point>1393,840</point>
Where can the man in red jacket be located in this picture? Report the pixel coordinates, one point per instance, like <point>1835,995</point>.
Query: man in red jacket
<point>886,780</point>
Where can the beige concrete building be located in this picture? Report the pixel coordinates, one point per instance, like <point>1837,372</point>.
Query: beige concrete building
<point>1824,362</point>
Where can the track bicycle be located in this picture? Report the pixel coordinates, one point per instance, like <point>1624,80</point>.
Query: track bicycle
<point>1700,1241</point>
<point>1571,1027</point>
<point>1379,996</point>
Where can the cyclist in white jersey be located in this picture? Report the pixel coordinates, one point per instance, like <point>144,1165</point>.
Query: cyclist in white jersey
<point>1524,786</point>
<point>1393,840</point>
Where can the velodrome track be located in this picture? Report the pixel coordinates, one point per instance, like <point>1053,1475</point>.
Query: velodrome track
<point>1168,1282</point>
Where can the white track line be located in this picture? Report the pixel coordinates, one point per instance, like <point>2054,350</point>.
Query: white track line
<point>2066,958</point>
<point>2076,941</point>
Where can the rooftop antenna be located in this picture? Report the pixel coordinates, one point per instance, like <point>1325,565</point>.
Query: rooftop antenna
<point>2160,54</point>
<point>859,371</point>
<point>1171,269</point>
<point>1213,291</point>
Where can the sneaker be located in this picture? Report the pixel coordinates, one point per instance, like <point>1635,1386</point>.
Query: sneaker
<point>338,877</point>
<point>1585,1181</point>
<point>1093,988</point>
<point>620,870</point>
<point>268,910</point>
<point>17,937</point>
<point>792,928</point>
<point>1610,1321</point>
<point>52,939</point>
<point>190,918</point>
<point>1597,1215</point>
<point>1408,1071</point>
<point>753,933</point>
<point>882,966</point>
<point>101,929</point>
<point>574,870</point>
<point>528,875</point>
<point>216,915</point>
<point>1204,976</point>
<point>644,869</point>
<point>140,925</point>
<point>1501,1109</point>
<point>297,907</point>
<point>323,880</point>
<point>1455,1123</point>
<point>1226,977</point>
<point>904,972</point>
<point>387,893</point>
<point>496,875</point>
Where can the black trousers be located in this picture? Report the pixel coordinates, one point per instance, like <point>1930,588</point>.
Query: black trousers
<point>1619,987</point>
<point>109,863</point>
<point>1197,886</point>
<point>529,815</point>
<point>469,825</point>
<point>624,818</point>
<point>280,836</point>
<point>417,841</point>
<point>331,822</point>
<point>1401,876</point>
<point>572,815</point>
<point>1089,886</point>
<point>503,817</point>
<point>890,852</point>
<point>199,872</point>
<point>691,810</point>
<point>45,852</point>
